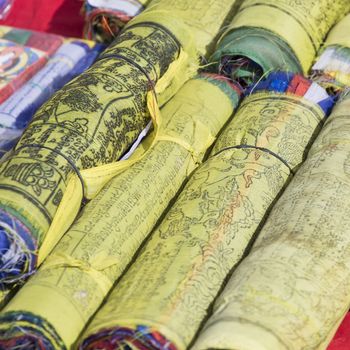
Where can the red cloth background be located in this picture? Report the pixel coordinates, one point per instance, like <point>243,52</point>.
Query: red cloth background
<point>341,340</point>
<point>54,16</point>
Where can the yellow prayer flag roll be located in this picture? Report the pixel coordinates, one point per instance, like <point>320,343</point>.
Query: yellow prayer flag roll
<point>301,24</point>
<point>339,35</point>
<point>293,289</point>
<point>210,16</point>
<point>73,281</point>
<point>71,148</point>
<point>163,298</point>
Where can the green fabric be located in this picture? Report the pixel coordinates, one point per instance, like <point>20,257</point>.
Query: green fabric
<point>261,46</point>
<point>20,37</point>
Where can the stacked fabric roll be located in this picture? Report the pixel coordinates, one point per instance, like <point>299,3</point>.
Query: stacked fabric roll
<point>192,232</point>
<point>268,35</point>
<point>292,290</point>
<point>23,54</point>
<point>332,68</point>
<point>105,18</point>
<point>78,274</point>
<point>163,298</point>
<point>70,149</point>
<point>70,60</point>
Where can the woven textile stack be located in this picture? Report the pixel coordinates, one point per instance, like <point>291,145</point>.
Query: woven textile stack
<point>182,183</point>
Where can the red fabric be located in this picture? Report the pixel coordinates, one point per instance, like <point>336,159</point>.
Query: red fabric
<point>341,340</point>
<point>55,16</point>
<point>299,85</point>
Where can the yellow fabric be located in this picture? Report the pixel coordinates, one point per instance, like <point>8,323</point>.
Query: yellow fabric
<point>4,30</point>
<point>293,289</point>
<point>179,71</point>
<point>203,17</point>
<point>343,78</point>
<point>302,24</point>
<point>94,180</point>
<point>109,98</point>
<point>182,267</point>
<point>73,281</point>
<point>339,35</point>
<point>3,298</point>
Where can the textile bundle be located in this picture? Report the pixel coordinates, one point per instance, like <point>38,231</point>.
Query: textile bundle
<point>162,299</point>
<point>105,18</point>
<point>70,149</point>
<point>22,54</point>
<point>292,290</point>
<point>268,35</point>
<point>82,268</point>
<point>70,60</point>
<point>332,69</point>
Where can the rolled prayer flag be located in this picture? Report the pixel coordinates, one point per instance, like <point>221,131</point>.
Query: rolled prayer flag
<point>104,19</point>
<point>71,59</point>
<point>74,280</point>
<point>268,35</point>
<point>163,298</point>
<point>91,122</point>
<point>70,149</point>
<point>332,68</point>
<point>293,289</point>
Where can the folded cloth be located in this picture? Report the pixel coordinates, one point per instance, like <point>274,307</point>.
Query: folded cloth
<point>114,224</point>
<point>71,59</point>
<point>332,68</point>
<point>163,298</point>
<point>268,35</point>
<point>22,54</point>
<point>70,149</point>
<point>292,290</point>
<point>105,18</point>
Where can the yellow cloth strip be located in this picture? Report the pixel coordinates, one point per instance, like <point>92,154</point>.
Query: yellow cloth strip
<point>293,289</point>
<point>302,24</point>
<point>73,281</point>
<point>182,267</point>
<point>339,35</point>
<point>204,17</point>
